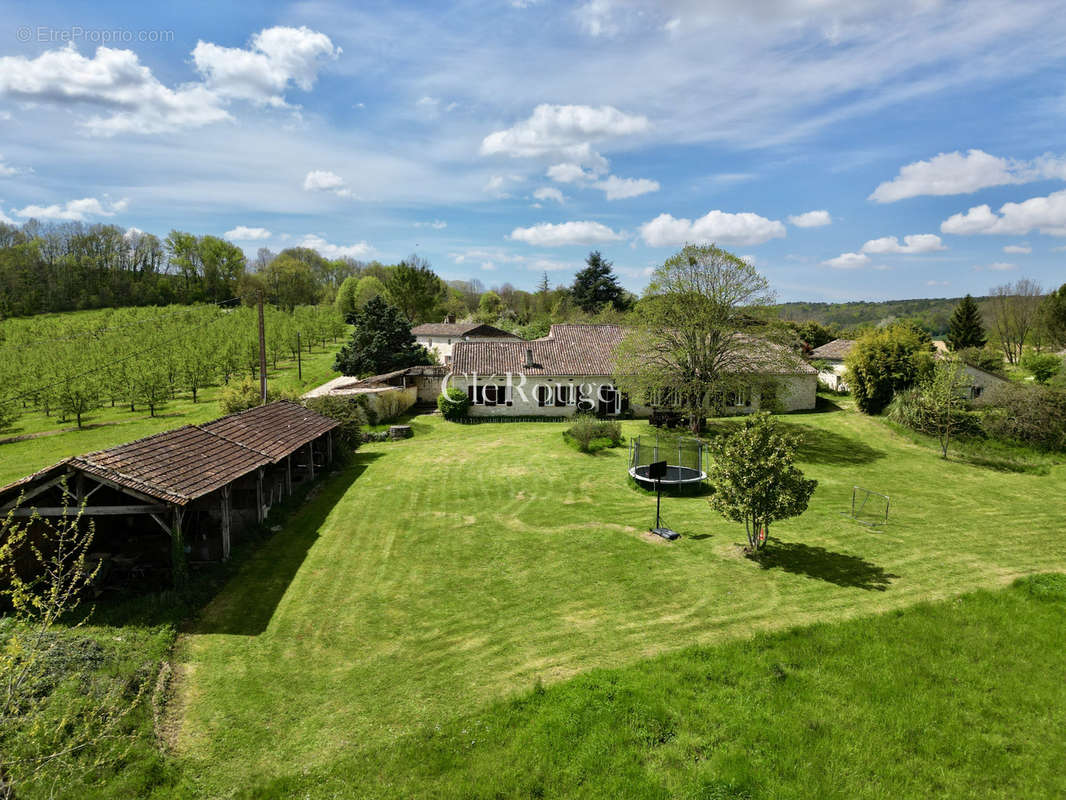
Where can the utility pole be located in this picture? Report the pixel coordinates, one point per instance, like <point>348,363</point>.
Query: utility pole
<point>299,366</point>
<point>262,352</point>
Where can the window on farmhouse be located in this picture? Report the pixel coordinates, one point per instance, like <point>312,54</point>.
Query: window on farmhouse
<point>564,395</point>
<point>544,395</point>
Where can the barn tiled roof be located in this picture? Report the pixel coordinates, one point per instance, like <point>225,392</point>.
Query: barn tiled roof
<point>836,350</point>
<point>274,430</point>
<point>181,465</point>
<point>569,350</point>
<point>460,329</point>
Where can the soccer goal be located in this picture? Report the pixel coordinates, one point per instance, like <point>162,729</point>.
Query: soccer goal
<point>868,507</point>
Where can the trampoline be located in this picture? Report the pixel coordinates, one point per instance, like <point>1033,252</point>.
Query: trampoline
<point>683,457</point>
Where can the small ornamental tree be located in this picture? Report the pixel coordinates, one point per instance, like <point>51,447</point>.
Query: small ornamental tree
<point>754,479</point>
<point>966,328</point>
<point>381,342</point>
<point>942,393</point>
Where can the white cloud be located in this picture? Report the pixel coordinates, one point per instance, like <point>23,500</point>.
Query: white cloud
<point>322,180</point>
<point>547,234</point>
<point>569,173</point>
<point>242,233</point>
<point>1044,214</point>
<point>4,218</point>
<point>327,250</point>
<point>275,59</point>
<point>6,170</point>
<point>73,210</point>
<point>565,132</point>
<point>113,80</point>
<point>996,266</point>
<point>621,188</point>
<point>436,224</point>
<point>549,193</point>
<point>811,219</point>
<point>955,173</point>
<point>916,243</point>
<point>132,233</point>
<point>716,226</point>
<point>847,261</point>
<point>1018,249</point>
<point>937,283</point>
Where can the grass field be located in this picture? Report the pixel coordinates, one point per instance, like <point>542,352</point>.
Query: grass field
<point>434,578</point>
<point>106,427</point>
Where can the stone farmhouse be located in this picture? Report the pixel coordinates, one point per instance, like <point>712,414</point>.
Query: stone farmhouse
<point>569,371</point>
<point>440,337</point>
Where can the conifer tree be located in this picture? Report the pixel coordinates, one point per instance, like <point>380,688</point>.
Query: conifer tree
<point>966,329</point>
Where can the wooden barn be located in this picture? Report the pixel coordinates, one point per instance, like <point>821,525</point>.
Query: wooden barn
<point>183,495</point>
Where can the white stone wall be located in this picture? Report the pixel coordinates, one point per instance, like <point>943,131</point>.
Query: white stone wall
<point>832,375</point>
<point>979,382</point>
<point>798,392</point>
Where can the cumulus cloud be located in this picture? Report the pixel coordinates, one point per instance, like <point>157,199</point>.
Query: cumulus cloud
<point>6,170</point>
<point>811,219</point>
<point>1020,249</point>
<point>275,59</point>
<point>716,226</point>
<point>547,234</point>
<point>113,80</point>
<point>322,180</point>
<point>242,233</point>
<point>620,188</point>
<point>549,193</point>
<point>328,250</point>
<point>569,173</point>
<point>564,132</point>
<point>436,224</point>
<point>996,266</point>
<point>1044,214</point>
<point>955,173</point>
<point>4,218</point>
<point>916,243</point>
<point>847,261</point>
<point>132,100</point>
<point>73,210</point>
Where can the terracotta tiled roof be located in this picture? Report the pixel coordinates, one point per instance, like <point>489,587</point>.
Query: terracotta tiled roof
<point>460,329</point>
<point>566,350</point>
<point>275,430</point>
<point>181,465</point>
<point>836,350</point>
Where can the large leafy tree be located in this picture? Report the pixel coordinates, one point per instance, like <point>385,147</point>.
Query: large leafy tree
<point>755,479</point>
<point>381,342</point>
<point>883,362</point>
<point>414,288</point>
<point>1054,311</point>
<point>702,329</point>
<point>596,286</point>
<point>966,328</point>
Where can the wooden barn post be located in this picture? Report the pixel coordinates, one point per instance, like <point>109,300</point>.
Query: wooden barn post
<point>179,564</point>
<point>226,503</point>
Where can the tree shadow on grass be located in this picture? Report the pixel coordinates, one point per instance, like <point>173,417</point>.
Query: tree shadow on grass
<point>829,447</point>
<point>840,569</point>
<point>247,602</point>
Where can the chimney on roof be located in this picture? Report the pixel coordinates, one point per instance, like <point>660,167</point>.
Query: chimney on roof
<point>529,359</point>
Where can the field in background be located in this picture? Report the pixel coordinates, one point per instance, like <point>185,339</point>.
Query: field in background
<point>438,575</point>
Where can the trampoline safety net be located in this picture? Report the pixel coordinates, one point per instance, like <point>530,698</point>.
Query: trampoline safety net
<point>684,458</point>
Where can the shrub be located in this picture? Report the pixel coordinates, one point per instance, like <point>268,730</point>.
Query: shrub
<point>346,411</point>
<point>590,434</point>
<point>453,405</point>
<point>1043,366</point>
<point>886,361</point>
<point>237,397</point>
<point>1032,415</point>
<point>910,409</point>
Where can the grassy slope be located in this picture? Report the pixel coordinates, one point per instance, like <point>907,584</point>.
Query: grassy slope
<point>107,426</point>
<point>447,571</point>
<point>963,698</point>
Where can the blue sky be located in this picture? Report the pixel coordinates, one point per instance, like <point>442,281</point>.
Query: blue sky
<point>501,139</point>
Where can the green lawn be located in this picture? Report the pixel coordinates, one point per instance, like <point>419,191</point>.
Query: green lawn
<point>441,574</point>
<point>106,427</point>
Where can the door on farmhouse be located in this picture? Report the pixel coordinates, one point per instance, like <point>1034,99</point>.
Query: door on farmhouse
<point>607,401</point>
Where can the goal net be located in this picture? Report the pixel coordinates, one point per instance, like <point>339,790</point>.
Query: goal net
<point>868,507</point>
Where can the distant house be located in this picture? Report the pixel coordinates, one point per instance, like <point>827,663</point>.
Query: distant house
<point>978,381</point>
<point>570,369</point>
<point>440,337</point>
<point>832,354</point>
<point>395,391</point>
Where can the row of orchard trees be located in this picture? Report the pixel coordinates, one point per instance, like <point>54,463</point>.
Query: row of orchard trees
<point>141,358</point>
